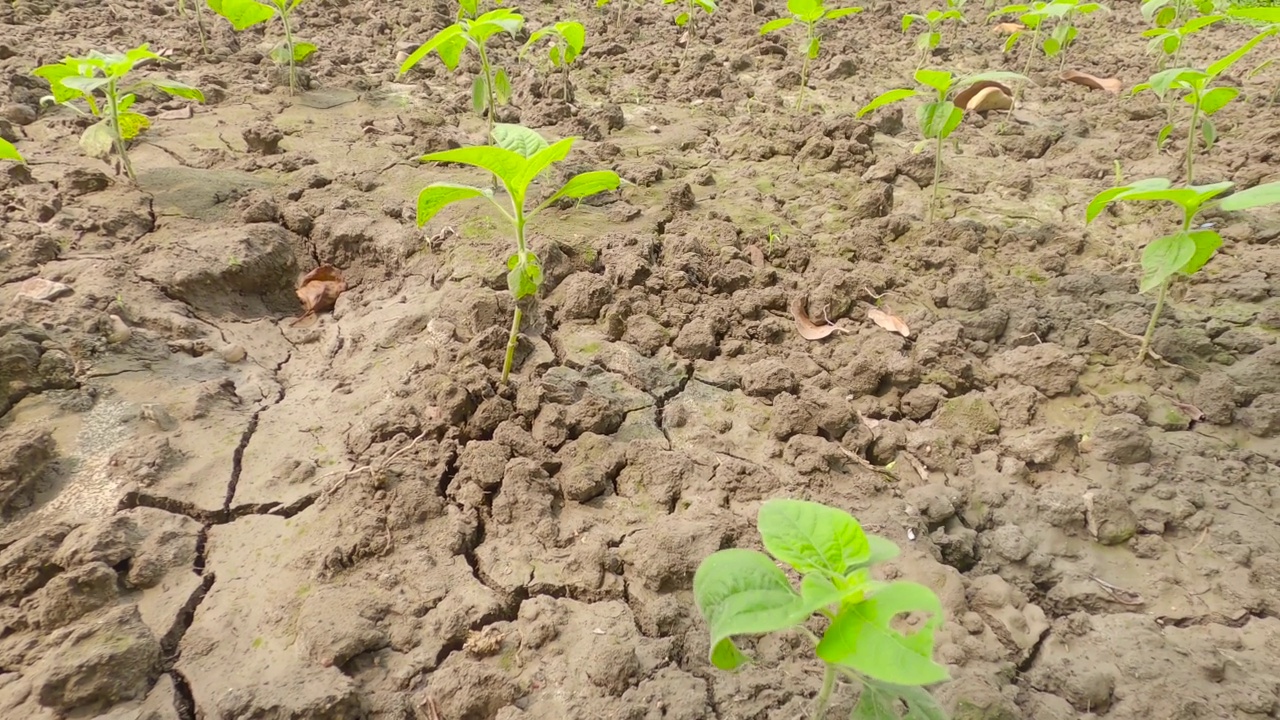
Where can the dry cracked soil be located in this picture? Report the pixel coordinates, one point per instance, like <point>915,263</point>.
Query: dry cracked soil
<point>210,511</point>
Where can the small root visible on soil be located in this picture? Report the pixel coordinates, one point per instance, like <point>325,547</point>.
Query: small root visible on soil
<point>1150,353</point>
<point>373,469</point>
<point>1119,594</point>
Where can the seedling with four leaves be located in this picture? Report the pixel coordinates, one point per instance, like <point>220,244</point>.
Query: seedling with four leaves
<point>518,157</point>
<point>491,87</point>
<point>931,38</point>
<point>243,14</point>
<point>9,152</point>
<point>743,592</point>
<point>811,14</point>
<point>1186,251</point>
<point>938,117</point>
<point>567,40</point>
<point>99,79</point>
<point>1037,17</point>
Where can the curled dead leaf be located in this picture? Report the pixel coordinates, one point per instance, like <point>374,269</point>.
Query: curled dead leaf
<point>319,290</point>
<point>807,328</point>
<point>756,255</point>
<point>966,95</point>
<point>1008,28</point>
<point>889,322</point>
<point>1111,85</point>
<point>988,99</point>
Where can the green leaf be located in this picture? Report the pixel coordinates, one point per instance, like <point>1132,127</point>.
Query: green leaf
<point>875,704</point>
<point>1199,23</point>
<point>541,159</point>
<point>453,32</point>
<point>9,152</point>
<point>503,163</point>
<point>805,10</point>
<point>1225,63</point>
<point>708,6</point>
<point>96,141</point>
<point>302,51</point>
<point>1163,136</point>
<point>1269,15</point>
<point>1013,40</point>
<point>862,637</point>
<point>496,21</point>
<point>887,98</point>
<point>1171,44</point>
<point>842,12</point>
<point>881,550</point>
<point>450,51</point>
<point>85,85</point>
<point>1163,257</point>
<point>742,592</point>
<point>1166,16</point>
<point>1106,197</point>
<point>501,86</point>
<point>939,119</point>
<point>1207,243</point>
<point>524,275</point>
<point>1256,196</point>
<point>585,185</point>
<point>436,196</point>
<point>132,123</point>
<point>773,25</point>
<point>518,139</point>
<point>1209,132</point>
<point>814,45</point>
<point>1051,46</point>
<point>575,38</point>
<point>177,89</point>
<point>1216,99</point>
<point>908,19</point>
<point>54,74</point>
<point>812,537</point>
<point>682,19</point>
<point>242,14</point>
<point>479,96</point>
<point>939,80</point>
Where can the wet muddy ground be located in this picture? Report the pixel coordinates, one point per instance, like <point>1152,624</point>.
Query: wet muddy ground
<point>210,511</point>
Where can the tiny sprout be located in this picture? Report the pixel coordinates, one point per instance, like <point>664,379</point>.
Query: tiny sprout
<point>491,87</point>
<point>244,14</point>
<point>9,152</point>
<point>1187,250</point>
<point>568,39</point>
<point>928,41</point>
<point>83,78</point>
<point>685,18</point>
<point>811,13</point>
<point>518,157</point>
<point>938,117</point>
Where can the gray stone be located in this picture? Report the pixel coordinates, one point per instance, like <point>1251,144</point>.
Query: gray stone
<point>1110,519</point>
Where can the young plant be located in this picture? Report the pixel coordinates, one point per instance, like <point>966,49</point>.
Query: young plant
<point>1057,17</point>
<point>491,87</point>
<point>9,152</point>
<point>567,41</point>
<point>1186,251</point>
<point>1167,41</point>
<point>928,41</point>
<point>1164,13</point>
<point>1270,18</point>
<point>811,14</point>
<point>685,19</point>
<point>247,13</point>
<point>199,16</point>
<point>938,117</point>
<point>743,592</point>
<point>99,79</point>
<point>1205,101</point>
<point>517,158</point>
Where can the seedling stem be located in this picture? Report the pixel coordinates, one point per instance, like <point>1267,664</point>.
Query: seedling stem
<point>288,45</point>
<point>113,106</point>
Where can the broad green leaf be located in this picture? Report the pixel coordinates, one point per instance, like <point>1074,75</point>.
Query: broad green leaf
<point>812,537</point>
<point>1207,243</point>
<point>436,196</point>
<point>938,119</point>
<point>242,14</point>
<point>450,51</point>
<point>842,12</point>
<point>96,140</point>
<point>541,159</point>
<point>1090,8</point>
<point>479,95</point>
<point>501,86</point>
<point>1199,23</point>
<point>1216,99</point>
<point>524,275</point>
<point>1164,257</point>
<point>805,10</point>
<point>585,185</point>
<point>1106,197</point>
<point>1225,63</point>
<point>85,85</point>
<point>682,19</point>
<point>708,6</point>
<point>575,38</point>
<point>1051,46</point>
<point>773,25</point>
<point>132,123</point>
<point>554,54</point>
<point>939,80</point>
<point>54,74</point>
<point>1209,132</point>
<point>814,45</point>
<point>875,704</point>
<point>303,50</point>
<point>1171,44</point>
<point>448,34</point>
<point>862,637</point>
<point>177,89</point>
<point>1166,16</point>
<point>908,19</point>
<point>519,140</point>
<point>494,22</point>
<point>881,550</point>
<point>887,98</point>
<point>504,164</point>
<point>1269,15</point>
<point>1256,196</point>
<point>933,40</point>
<point>742,592</point>
<point>1149,8</point>
<point>9,152</point>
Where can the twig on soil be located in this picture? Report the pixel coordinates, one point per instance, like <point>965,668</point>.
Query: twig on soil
<point>1150,353</point>
<point>920,468</point>
<point>428,709</point>
<point>373,469</point>
<point>868,464</point>
<point>1119,594</point>
<point>1030,334</point>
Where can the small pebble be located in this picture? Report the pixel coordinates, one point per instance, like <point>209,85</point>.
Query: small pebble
<point>120,332</point>
<point>232,353</point>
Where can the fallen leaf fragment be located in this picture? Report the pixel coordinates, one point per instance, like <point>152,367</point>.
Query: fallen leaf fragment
<point>892,323</point>
<point>319,290</point>
<point>182,113</point>
<point>1111,85</point>
<point>964,97</point>
<point>756,255</point>
<point>808,329</point>
<point>988,99</point>
<point>1008,28</point>
<point>41,289</point>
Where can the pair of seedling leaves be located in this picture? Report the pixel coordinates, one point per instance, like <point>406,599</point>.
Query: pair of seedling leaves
<point>1035,15</point>
<point>939,116</point>
<point>686,16</point>
<point>929,40</point>
<point>743,592</point>
<point>811,14</point>
<point>1188,250</point>
<point>244,14</point>
<point>84,78</point>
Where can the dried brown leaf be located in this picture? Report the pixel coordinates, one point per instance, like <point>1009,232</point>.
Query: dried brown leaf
<point>1111,85</point>
<point>319,290</point>
<point>1008,28</point>
<point>988,99</point>
<point>889,322</point>
<point>964,96</point>
<point>807,328</point>
<point>756,255</point>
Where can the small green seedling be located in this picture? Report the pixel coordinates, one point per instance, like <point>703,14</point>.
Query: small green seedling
<point>1205,101</point>
<point>518,157</point>
<point>685,19</point>
<point>743,592</point>
<point>1189,249</point>
<point>931,38</point>
<point>103,75</point>
<point>1164,13</point>
<point>567,41</point>
<point>1039,16</point>
<point>491,87</point>
<point>938,117</point>
<point>1167,41</point>
<point>9,152</point>
<point>1270,18</point>
<point>811,14</point>
<point>247,13</point>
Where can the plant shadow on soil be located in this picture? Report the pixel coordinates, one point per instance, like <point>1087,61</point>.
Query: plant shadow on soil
<point>212,511</point>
